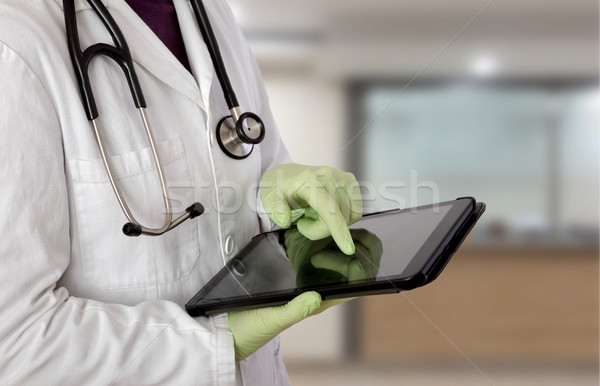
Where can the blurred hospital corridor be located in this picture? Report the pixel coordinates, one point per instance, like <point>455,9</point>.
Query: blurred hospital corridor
<point>430,101</point>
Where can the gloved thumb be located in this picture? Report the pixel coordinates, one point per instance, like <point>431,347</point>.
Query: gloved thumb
<point>252,329</point>
<point>300,307</point>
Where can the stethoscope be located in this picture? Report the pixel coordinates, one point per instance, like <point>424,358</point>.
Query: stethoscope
<point>236,134</point>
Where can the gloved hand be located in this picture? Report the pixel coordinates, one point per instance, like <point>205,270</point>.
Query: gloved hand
<point>325,199</point>
<point>321,262</point>
<point>253,329</point>
<point>314,262</point>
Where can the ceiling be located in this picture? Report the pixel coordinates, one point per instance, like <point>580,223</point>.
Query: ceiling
<point>551,37</point>
<point>311,15</point>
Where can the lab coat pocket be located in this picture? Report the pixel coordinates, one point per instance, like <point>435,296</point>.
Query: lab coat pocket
<point>112,260</point>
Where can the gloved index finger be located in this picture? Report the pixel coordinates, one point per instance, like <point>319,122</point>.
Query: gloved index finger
<point>329,213</point>
<point>352,190</point>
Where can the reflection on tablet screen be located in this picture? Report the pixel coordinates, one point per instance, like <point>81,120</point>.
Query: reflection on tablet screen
<point>385,245</point>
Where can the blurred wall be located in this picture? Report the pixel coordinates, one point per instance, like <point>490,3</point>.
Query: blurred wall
<point>311,114</point>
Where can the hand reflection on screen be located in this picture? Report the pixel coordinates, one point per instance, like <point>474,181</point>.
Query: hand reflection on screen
<point>322,262</point>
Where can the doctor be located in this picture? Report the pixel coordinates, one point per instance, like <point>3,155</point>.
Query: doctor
<point>80,303</point>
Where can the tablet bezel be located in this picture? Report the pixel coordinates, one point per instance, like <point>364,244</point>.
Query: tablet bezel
<point>423,268</point>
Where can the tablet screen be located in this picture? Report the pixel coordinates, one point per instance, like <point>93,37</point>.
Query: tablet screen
<point>388,245</point>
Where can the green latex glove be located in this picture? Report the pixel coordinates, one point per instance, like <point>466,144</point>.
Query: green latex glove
<point>323,200</point>
<point>253,329</point>
<point>321,262</point>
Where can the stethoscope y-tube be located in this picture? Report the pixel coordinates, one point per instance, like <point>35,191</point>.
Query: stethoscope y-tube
<point>120,54</point>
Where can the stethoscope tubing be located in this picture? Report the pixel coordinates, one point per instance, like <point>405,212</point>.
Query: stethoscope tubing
<point>119,53</point>
<point>215,53</point>
<point>236,138</point>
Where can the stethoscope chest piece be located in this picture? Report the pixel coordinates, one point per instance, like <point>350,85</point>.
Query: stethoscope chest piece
<point>238,134</point>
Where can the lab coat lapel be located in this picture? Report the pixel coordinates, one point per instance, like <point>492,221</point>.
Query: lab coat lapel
<point>149,52</point>
<point>196,49</point>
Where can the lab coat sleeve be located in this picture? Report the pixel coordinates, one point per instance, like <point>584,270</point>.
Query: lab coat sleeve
<point>47,336</point>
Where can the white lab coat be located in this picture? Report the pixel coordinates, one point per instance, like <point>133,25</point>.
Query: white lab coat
<point>80,303</point>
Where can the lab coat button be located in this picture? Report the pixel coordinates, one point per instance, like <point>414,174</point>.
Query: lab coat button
<point>229,245</point>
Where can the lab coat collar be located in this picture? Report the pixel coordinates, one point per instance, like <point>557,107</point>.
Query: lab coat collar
<point>148,51</point>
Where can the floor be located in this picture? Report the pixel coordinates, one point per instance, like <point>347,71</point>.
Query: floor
<point>347,374</point>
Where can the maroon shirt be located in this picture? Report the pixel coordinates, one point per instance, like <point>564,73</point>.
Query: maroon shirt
<point>160,16</point>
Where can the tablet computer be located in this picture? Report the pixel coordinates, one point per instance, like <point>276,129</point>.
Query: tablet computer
<point>396,250</point>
